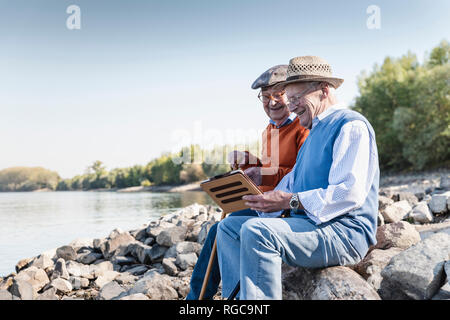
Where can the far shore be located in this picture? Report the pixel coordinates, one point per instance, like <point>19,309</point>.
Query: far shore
<point>194,186</point>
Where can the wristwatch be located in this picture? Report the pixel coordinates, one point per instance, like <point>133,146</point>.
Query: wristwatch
<point>294,202</point>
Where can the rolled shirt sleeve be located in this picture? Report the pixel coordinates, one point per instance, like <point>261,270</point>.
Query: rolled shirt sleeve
<point>351,175</point>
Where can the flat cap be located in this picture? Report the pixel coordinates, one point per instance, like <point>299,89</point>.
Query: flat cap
<point>272,76</point>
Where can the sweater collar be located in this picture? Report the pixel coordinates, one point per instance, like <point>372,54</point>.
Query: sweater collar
<point>291,118</point>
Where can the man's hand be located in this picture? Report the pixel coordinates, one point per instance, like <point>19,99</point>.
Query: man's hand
<point>239,158</point>
<point>254,173</point>
<point>269,201</point>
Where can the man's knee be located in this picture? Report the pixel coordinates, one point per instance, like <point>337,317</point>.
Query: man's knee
<point>253,228</point>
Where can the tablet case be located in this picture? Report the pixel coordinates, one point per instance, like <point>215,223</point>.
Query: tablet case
<point>228,189</point>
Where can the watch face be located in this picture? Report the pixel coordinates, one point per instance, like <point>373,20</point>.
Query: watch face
<point>294,203</point>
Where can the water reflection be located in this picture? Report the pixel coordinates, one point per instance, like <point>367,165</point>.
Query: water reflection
<point>31,223</point>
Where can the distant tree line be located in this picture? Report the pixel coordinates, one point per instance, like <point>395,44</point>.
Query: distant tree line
<point>408,105</point>
<point>189,165</point>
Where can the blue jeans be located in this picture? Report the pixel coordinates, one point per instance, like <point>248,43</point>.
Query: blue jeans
<point>202,263</point>
<point>251,250</point>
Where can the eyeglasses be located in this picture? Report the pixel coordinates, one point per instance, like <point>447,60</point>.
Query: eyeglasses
<point>295,99</point>
<point>265,98</point>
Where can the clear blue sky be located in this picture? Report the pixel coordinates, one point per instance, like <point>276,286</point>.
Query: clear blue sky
<point>116,89</point>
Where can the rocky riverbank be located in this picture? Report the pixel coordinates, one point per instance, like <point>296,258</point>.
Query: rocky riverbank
<point>410,260</point>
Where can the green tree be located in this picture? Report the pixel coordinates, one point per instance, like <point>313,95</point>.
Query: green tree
<point>408,105</point>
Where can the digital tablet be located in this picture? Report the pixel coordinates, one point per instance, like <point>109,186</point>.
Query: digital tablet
<point>228,189</point>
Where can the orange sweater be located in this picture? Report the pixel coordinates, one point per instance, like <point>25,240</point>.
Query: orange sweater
<point>290,138</point>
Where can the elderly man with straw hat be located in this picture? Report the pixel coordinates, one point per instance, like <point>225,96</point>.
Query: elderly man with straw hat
<point>331,194</point>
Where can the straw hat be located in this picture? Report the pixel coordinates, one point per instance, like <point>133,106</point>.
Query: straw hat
<point>310,68</point>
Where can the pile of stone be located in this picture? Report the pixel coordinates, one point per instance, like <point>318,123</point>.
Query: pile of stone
<point>409,261</point>
<point>153,262</point>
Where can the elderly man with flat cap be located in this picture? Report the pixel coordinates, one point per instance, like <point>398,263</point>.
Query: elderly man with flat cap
<point>331,194</point>
<point>281,140</point>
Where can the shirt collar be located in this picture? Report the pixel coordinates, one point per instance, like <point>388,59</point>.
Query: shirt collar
<point>291,118</point>
<point>326,113</point>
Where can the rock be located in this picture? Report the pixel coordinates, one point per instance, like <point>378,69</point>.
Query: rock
<point>126,277</point>
<point>67,253</point>
<point>157,252</point>
<point>204,231</point>
<point>400,234</point>
<point>49,294</point>
<point>117,244</point>
<point>432,228</point>
<point>169,237</point>
<point>182,286</point>
<point>156,287</point>
<point>380,220</point>
<point>6,283</point>
<point>141,252</point>
<point>183,247</point>
<point>383,202</point>
<point>89,257</point>
<point>186,260</point>
<point>417,272</point>
<point>110,290</point>
<point>123,260</point>
<point>43,261</point>
<point>105,278</point>
<point>408,196</point>
<point>154,230</point>
<point>60,270</point>
<point>137,270</point>
<point>97,243</point>
<point>5,295</point>
<point>396,211</point>
<point>36,277</point>
<point>438,203</point>
<point>443,293</point>
<point>79,243</point>
<point>23,263</point>
<point>373,263</point>
<point>445,182</point>
<point>100,267</point>
<point>77,269</point>
<point>421,213</point>
<point>169,266</point>
<point>136,296</point>
<point>61,285</point>
<point>78,283</point>
<point>22,289</point>
<point>335,283</point>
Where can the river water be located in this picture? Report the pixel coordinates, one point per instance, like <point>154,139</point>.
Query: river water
<point>34,222</point>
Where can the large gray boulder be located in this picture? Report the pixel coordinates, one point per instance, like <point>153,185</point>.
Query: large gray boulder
<point>417,272</point>
<point>334,283</point>
<point>438,203</point>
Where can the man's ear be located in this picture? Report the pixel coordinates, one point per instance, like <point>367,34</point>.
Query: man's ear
<point>325,90</point>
